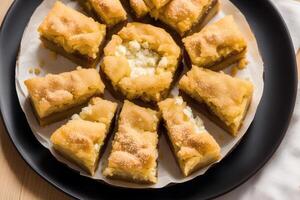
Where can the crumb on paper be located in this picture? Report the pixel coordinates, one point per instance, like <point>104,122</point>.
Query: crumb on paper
<point>34,70</point>
<point>37,71</point>
<point>238,66</point>
<point>242,63</point>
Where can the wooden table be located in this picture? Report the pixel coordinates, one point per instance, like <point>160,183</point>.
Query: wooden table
<point>19,181</point>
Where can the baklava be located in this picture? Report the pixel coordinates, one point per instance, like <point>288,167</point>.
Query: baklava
<point>217,45</point>
<point>134,150</point>
<point>57,96</point>
<point>186,16</point>
<point>140,61</point>
<point>73,35</point>
<point>110,12</point>
<point>193,147</point>
<point>139,8</point>
<point>224,99</point>
<point>82,138</point>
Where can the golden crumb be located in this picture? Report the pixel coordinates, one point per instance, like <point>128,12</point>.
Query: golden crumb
<point>242,63</point>
<point>37,71</point>
<point>238,66</point>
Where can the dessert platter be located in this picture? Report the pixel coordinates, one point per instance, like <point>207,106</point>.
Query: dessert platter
<point>145,94</point>
<point>139,100</point>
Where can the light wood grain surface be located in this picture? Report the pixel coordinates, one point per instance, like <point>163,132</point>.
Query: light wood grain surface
<point>18,180</point>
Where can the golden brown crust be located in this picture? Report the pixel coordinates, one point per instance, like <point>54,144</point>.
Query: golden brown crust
<point>227,97</point>
<point>215,42</point>
<point>72,30</point>
<point>156,4</point>
<point>193,146</point>
<point>82,138</point>
<point>111,12</point>
<point>182,15</point>
<point>99,110</point>
<point>157,52</point>
<point>139,7</point>
<point>134,151</point>
<point>55,93</point>
<point>77,139</point>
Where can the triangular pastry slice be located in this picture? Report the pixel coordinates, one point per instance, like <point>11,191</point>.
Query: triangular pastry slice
<point>134,150</point>
<point>217,45</point>
<point>226,98</point>
<point>81,139</point>
<point>193,146</point>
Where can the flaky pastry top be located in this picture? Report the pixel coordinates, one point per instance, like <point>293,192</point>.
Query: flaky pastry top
<point>156,4</point>
<point>81,139</point>
<point>55,91</point>
<point>182,14</point>
<point>135,143</point>
<point>158,39</point>
<point>222,93</point>
<point>189,141</point>
<point>72,30</point>
<point>215,42</point>
<point>99,110</point>
<point>140,7</point>
<point>111,11</point>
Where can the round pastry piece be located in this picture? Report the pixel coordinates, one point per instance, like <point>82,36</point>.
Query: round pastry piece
<point>140,61</point>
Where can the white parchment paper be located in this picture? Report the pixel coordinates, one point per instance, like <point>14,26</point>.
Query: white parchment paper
<point>33,54</point>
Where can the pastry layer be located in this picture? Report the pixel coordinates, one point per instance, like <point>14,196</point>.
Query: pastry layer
<point>184,15</point>
<point>139,7</point>
<point>57,93</point>
<point>82,138</point>
<point>141,61</point>
<point>110,12</point>
<point>72,31</point>
<point>216,44</point>
<point>75,57</point>
<point>193,146</point>
<point>134,150</point>
<point>226,97</point>
<point>156,4</point>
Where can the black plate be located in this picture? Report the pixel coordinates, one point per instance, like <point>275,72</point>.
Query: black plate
<point>255,149</point>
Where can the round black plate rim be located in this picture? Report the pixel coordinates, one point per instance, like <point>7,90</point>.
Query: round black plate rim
<point>26,158</point>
